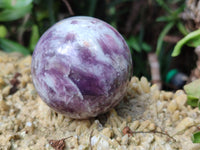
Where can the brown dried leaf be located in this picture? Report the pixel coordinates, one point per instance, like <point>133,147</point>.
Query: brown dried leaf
<point>14,83</point>
<point>58,144</point>
<point>128,131</point>
<point>13,90</point>
<point>17,75</point>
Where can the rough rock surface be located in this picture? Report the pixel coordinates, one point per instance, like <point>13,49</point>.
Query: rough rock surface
<point>147,118</point>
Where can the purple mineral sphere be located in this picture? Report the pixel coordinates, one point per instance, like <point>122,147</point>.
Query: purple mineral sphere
<point>81,67</point>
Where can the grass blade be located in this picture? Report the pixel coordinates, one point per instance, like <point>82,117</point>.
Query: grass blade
<point>34,37</point>
<point>162,35</point>
<point>92,7</point>
<point>182,28</point>
<point>10,46</point>
<point>163,5</point>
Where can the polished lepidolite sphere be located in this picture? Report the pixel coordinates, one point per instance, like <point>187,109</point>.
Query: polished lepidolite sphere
<point>81,67</point>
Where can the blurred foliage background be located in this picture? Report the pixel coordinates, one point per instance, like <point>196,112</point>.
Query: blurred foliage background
<point>155,30</point>
<point>149,27</point>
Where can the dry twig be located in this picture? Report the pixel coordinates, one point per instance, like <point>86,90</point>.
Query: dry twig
<point>128,131</point>
<point>58,144</point>
<point>68,7</point>
<point>171,39</point>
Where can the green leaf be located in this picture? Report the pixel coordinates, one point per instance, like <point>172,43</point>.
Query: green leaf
<point>194,42</point>
<point>3,31</point>
<point>164,5</point>
<point>163,19</point>
<point>192,101</point>
<point>40,15</point>
<point>162,35</point>
<point>146,47</point>
<point>34,37</point>
<point>199,104</point>
<point>14,3</point>
<point>196,137</point>
<point>10,46</point>
<point>177,11</point>
<point>193,93</point>
<point>192,38</point>
<point>182,28</point>
<point>193,89</point>
<point>173,15</point>
<point>14,14</point>
<point>134,43</point>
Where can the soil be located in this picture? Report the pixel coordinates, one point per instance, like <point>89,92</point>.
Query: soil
<point>146,119</point>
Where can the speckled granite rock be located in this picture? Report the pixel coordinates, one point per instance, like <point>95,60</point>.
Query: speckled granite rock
<point>26,122</point>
